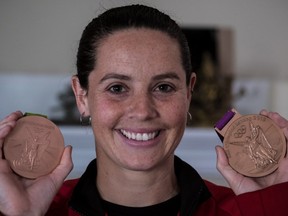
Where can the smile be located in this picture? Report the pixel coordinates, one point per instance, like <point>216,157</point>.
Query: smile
<point>139,136</point>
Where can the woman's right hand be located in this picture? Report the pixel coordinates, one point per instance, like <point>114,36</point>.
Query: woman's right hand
<point>242,184</point>
<point>21,196</point>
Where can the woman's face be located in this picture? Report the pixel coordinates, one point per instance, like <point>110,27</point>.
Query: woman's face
<point>137,99</point>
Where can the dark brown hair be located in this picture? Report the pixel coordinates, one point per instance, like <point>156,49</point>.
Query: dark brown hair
<point>119,18</point>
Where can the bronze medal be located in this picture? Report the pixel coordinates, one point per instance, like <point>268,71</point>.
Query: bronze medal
<point>254,145</point>
<point>34,147</point>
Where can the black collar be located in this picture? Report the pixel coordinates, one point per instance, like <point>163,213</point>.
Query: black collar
<point>86,198</point>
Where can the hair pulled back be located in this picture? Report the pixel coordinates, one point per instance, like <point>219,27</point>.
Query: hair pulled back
<point>120,18</point>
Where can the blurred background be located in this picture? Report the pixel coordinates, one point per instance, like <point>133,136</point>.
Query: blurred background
<point>246,58</point>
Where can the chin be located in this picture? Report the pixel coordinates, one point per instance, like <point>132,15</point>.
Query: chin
<point>143,164</point>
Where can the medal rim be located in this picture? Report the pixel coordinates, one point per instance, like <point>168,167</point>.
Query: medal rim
<point>18,129</point>
<point>281,136</point>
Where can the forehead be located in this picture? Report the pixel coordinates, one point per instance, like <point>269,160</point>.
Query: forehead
<point>139,45</point>
<point>139,36</point>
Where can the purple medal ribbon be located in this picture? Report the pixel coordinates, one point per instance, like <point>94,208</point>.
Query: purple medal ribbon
<point>225,119</point>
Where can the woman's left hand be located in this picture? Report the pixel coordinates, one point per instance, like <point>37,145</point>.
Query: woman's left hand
<point>242,184</point>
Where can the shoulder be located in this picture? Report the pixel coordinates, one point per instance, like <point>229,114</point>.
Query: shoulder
<point>267,201</point>
<point>66,190</point>
<point>59,205</point>
<point>219,192</point>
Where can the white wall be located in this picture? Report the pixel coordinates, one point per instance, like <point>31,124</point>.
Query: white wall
<point>42,36</point>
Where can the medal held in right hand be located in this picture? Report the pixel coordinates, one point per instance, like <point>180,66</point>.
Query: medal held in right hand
<point>254,144</point>
<point>34,147</point>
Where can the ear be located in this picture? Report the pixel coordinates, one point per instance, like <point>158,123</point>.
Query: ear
<point>191,86</point>
<point>81,96</point>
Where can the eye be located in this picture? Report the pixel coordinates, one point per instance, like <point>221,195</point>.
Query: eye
<point>117,89</point>
<point>165,88</point>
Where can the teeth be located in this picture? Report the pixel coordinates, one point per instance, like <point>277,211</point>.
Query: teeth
<point>139,136</point>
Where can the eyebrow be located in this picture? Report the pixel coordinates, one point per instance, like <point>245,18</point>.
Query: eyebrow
<point>114,76</point>
<point>168,75</point>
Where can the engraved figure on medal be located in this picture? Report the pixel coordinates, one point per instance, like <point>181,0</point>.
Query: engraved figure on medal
<point>259,149</point>
<point>34,147</point>
<point>254,145</point>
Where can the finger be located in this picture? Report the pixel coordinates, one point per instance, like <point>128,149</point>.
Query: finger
<point>222,161</point>
<point>8,123</point>
<point>53,181</point>
<point>223,166</point>
<point>285,131</point>
<point>4,131</point>
<point>276,117</point>
<point>64,168</point>
<point>14,116</point>
<point>279,120</point>
<point>264,112</point>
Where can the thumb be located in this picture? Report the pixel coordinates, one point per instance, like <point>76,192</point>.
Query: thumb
<point>50,184</point>
<point>64,168</point>
<point>230,175</point>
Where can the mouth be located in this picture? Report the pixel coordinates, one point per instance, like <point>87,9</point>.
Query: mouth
<point>139,136</point>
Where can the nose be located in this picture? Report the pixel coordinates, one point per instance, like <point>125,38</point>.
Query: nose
<point>142,107</point>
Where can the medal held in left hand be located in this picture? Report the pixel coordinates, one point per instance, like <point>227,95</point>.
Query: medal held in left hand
<point>254,144</point>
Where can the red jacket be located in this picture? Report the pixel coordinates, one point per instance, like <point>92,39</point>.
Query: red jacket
<point>198,197</point>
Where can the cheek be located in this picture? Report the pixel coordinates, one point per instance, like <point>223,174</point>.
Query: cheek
<point>103,112</point>
<point>176,119</point>
<point>177,114</point>
<point>180,116</point>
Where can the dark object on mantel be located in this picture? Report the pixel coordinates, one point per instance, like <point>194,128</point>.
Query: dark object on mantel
<point>213,61</point>
<point>67,106</point>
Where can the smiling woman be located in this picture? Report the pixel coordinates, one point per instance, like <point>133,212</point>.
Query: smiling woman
<point>137,82</point>
<point>134,80</point>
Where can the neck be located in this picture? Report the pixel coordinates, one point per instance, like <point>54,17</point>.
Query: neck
<point>137,188</point>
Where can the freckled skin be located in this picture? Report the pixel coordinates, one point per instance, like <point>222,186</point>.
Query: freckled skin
<point>138,85</point>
